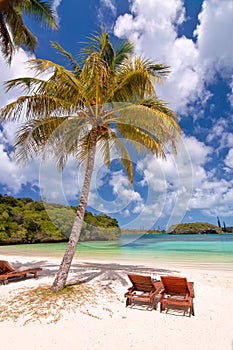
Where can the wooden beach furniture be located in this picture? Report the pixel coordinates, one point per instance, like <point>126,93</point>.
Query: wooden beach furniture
<point>177,292</point>
<point>7,272</point>
<point>143,290</point>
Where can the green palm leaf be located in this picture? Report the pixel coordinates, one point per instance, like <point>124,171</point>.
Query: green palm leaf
<point>41,11</point>
<point>13,31</point>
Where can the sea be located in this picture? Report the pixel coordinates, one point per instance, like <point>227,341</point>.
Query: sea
<point>189,250</point>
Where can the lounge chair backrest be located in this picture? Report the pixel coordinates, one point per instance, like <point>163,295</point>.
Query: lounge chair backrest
<point>141,283</point>
<point>175,285</point>
<point>5,267</point>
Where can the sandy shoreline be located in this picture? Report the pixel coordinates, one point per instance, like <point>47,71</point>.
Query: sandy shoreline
<point>105,322</point>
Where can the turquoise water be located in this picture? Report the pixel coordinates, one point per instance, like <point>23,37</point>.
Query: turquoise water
<point>188,250</point>
<point>185,249</point>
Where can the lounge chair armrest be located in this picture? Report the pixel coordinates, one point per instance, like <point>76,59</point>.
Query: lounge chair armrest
<point>191,289</point>
<point>158,285</point>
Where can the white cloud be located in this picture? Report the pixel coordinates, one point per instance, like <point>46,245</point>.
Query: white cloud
<point>110,4</point>
<point>220,134</point>
<point>228,199</point>
<point>9,130</point>
<point>122,195</point>
<point>151,23</point>
<point>197,150</point>
<point>152,26</point>
<point>13,177</point>
<point>230,95</point>
<point>214,198</point>
<point>213,36</point>
<point>106,13</point>
<point>229,159</point>
<point>181,184</point>
<point>57,186</point>
<point>19,68</point>
<point>209,193</point>
<point>56,4</point>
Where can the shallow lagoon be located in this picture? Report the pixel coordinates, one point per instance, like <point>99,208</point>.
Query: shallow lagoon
<point>212,250</point>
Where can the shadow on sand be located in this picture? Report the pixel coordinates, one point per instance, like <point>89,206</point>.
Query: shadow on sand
<point>86,271</point>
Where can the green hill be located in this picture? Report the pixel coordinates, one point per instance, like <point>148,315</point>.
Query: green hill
<point>194,227</point>
<point>23,220</point>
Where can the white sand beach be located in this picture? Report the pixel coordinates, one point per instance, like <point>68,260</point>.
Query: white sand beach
<point>104,322</point>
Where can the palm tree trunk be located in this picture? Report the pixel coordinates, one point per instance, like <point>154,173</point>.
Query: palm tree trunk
<point>62,274</point>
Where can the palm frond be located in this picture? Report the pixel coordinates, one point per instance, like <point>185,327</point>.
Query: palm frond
<point>74,64</point>
<point>92,45</point>
<point>158,71</point>
<point>32,137</point>
<point>41,11</point>
<point>57,71</point>
<point>123,155</point>
<point>35,106</point>
<point>151,117</point>
<point>68,140</point>
<point>81,152</point>
<point>6,44</point>
<point>105,149</point>
<point>101,45</point>
<point>141,139</point>
<point>123,52</point>
<point>95,78</point>
<point>107,53</point>
<point>13,31</point>
<point>21,35</point>
<point>133,81</point>
<point>28,84</point>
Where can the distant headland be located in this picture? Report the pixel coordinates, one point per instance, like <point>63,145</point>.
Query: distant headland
<point>198,228</point>
<point>186,228</point>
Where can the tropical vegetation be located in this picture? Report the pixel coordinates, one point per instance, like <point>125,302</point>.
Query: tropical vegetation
<point>194,227</point>
<point>104,101</point>
<point>13,31</point>
<point>23,220</point>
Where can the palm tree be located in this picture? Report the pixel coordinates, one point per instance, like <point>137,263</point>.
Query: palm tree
<point>13,32</point>
<point>103,97</point>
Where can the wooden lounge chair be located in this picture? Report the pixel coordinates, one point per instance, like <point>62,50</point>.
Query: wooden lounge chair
<point>143,290</point>
<point>177,292</point>
<point>7,272</point>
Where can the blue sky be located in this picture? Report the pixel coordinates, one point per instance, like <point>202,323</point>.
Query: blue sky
<point>194,38</point>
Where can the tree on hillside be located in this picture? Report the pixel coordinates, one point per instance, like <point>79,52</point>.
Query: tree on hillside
<point>106,96</point>
<point>13,31</point>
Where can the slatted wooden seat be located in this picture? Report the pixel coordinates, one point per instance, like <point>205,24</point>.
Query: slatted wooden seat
<point>177,292</point>
<point>7,272</point>
<point>143,290</point>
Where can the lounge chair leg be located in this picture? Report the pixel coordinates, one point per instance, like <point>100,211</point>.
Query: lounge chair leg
<point>193,310</point>
<point>161,307</point>
<point>128,302</point>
